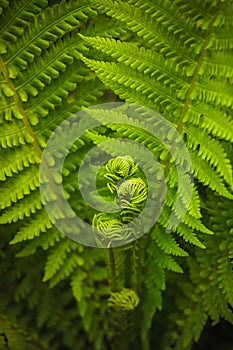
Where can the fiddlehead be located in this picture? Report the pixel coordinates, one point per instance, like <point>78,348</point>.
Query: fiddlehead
<point>132,195</point>
<point>119,168</point>
<point>126,300</point>
<point>108,230</point>
<point>124,180</point>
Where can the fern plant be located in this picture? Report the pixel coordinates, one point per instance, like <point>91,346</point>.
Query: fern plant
<point>173,57</point>
<point>178,62</point>
<point>43,81</point>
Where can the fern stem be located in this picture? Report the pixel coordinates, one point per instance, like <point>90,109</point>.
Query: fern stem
<point>196,71</point>
<point>20,108</point>
<point>112,267</point>
<point>128,268</point>
<point>187,101</point>
<point>27,125</point>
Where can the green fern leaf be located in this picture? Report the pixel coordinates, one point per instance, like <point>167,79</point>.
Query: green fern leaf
<point>57,258</point>
<point>16,16</point>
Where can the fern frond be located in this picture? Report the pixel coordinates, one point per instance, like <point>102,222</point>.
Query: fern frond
<point>210,150</point>
<point>144,60</point>
<point>167,243</point>
<point>39,223</point>
<point>49,25</point>
<point>57,258</point>
<point>25,157</point>
<point>208,176</point>
<point>18,187</point>
<point>14,134</point>
<point>151,32</point>
<point>33,94</point>
<point>173,57</point>
<point>45,240</point>
<point>207,293</point>
<point>129,83</point>
<point>190,96</point>
<point>22,209</point>
<point>15,17</point>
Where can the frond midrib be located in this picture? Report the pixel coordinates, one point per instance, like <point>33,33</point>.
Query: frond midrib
<point>196,71</point>
<point>21,109</point>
